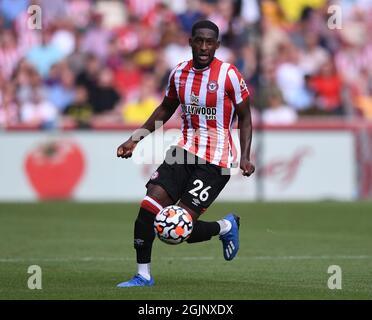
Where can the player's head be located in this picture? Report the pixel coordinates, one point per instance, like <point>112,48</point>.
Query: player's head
<point>204,42</point>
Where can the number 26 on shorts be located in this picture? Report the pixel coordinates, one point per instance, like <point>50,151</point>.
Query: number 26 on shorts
<point>203,194</point>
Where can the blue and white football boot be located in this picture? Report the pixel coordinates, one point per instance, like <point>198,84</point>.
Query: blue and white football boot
<point>137,281</point>
<point>230,240</point>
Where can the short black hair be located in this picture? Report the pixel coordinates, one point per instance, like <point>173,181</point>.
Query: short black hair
<point>205,24</point>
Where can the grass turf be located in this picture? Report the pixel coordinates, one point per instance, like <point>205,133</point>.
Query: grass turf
<point>85,249</point>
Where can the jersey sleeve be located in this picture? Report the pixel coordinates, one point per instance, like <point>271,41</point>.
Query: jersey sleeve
<point>171,91</point>
<point>236,87</point>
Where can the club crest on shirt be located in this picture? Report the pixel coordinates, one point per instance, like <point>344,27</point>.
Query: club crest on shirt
<point>212,86</point>
<point>194,99</point>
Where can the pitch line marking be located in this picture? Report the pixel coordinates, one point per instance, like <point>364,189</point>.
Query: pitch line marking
<point>95,259</point>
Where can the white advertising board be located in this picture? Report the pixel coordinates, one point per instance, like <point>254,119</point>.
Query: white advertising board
<point>296,165</point>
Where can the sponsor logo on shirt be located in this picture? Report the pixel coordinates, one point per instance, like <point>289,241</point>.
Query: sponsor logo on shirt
<point>195,109</point>
<point>209,113</point>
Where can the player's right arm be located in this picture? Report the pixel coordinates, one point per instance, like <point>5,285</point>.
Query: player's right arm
<point>162,114</point>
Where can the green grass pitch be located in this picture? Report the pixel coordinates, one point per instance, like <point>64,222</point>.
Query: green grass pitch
<point>85,249</point>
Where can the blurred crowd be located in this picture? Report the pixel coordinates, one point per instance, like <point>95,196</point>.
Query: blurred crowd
<point>98,62</point>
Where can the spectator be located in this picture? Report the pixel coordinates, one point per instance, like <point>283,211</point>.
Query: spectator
<point>178,50</point>
<point>76,60</point>
<point>189,16</point>
<point>114,58</point>
<point>79,12</point>
<point>250,11</point>
<point>159,17</point>
<point>247,62</point>
<point>96,38</point>
<point>291,79</point>
<point>128,78</point>
<point>128,36</point>
<point>26,37</point>
<point>10,53</point>
<point>89,75</point>
<point>64,39</point>
<point>28,81</point>
<point>105,98</point>
<point>138,111</point>
<point>9,113</point>
<point>109,59</point>
<point>53,11</point>
<point>80,111</point>
<point>43,56</point>
<point>313,55</point>
<point>61,93</point>
<point>272,39</point>
<point>362,94</point>
<point>277,113</point>
<point>39,112</point>
<point>327,88</point>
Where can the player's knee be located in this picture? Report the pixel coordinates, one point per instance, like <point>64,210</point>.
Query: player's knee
<point>159,194</point>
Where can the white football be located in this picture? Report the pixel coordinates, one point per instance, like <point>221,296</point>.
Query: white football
<point>173,225</point>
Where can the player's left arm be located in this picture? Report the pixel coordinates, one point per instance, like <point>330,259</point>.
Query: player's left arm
<point>243,112</point>
<point>239,94</point>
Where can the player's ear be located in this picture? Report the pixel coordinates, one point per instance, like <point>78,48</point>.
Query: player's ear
<point>218,44</point>
<point>190,42</point>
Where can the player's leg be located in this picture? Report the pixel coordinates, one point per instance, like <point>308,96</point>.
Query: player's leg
<point>205,230</point>
<point>203,188</point>
<point>144,234</point>
<point>163,189</point>
<point>227,228</point>
<point>156,199</point>
<point>202,230</point>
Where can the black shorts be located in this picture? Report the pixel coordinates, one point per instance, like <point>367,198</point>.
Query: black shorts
<point>192,180</point>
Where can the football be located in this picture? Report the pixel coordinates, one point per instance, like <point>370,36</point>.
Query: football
<point>173,225</point>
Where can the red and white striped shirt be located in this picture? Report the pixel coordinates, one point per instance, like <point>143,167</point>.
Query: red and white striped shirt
<point>208,98</point>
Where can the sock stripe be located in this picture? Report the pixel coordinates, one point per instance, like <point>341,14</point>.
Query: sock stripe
<point>151,205</point>
<point>154,202</point>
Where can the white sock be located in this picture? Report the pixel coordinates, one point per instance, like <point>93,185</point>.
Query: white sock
<point>225,226</point>
<point>144,270</point>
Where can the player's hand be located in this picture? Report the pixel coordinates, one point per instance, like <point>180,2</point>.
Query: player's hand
<point>125,150</point>
<point>247,167</point>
